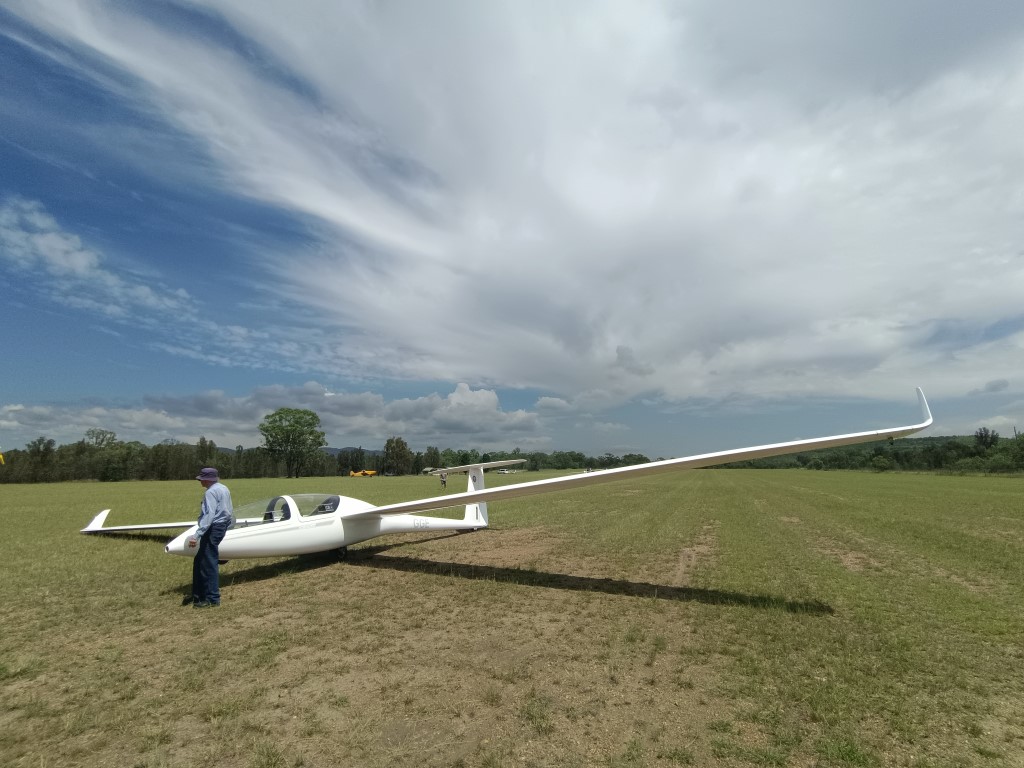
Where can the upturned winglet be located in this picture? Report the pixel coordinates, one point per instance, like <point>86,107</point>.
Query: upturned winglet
<point>926,412</point>
<point>96,524</point>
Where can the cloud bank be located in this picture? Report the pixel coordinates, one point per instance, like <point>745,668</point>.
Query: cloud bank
<point>604,202</point>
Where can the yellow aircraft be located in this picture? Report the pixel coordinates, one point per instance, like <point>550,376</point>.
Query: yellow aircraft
<point>363,473</point>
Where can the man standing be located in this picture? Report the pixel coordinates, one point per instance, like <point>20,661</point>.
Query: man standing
<point>216,515</point>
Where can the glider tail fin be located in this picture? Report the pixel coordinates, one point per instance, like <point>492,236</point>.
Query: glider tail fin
<point>475,482</point>
<point>477,513</point>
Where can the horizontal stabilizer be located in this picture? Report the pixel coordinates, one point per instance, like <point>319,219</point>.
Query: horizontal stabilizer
<point>481,465</point>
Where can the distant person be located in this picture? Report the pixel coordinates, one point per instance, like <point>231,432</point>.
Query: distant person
<point>444,480</point>
<point>216,515</point>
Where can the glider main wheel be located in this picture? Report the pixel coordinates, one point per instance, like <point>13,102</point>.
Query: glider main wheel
<point>343,553</point>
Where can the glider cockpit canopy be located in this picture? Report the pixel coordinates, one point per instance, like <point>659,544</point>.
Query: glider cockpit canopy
<point>282,508</point>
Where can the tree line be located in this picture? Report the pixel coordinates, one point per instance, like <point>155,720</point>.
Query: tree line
<point>294,445</point>
<point>985,452</point>
<point>101,456</point>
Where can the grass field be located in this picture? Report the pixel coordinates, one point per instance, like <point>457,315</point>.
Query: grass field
<point>713,618</point>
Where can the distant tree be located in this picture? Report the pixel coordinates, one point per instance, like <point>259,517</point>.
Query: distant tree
<point>567,460</point>
<point>881,463</point>
<point>292,435</point>
<point>206,452</point>
<point>472,456</point>
<point>375,461</point>
<point>634,458</point>
<point>344,459</point>
<point>985,438</point>
<point>321,464</point>
<point>1000,462</point>
<point>397,456</point>
<point>40,455</point>
<point>122,461</point>
<point>432,457</point>
<point>970,465</point>
<point>1016,450</point>
<point>351,460</point>
<point>101,438</point>
<point>536,461</point>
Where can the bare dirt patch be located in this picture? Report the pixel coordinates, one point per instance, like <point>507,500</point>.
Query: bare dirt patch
<point>702,550</point>
<point>493,648</point>
<point>917,564</point>
<point>852,560</point>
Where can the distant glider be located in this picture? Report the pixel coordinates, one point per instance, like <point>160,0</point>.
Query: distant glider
<point>304,523</point>
<point>363,473</point>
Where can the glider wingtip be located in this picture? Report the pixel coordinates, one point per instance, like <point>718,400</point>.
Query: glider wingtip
<point>96,524</point>
<point>926,412</point>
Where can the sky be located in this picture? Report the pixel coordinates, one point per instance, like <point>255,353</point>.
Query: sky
<point>645,226</point>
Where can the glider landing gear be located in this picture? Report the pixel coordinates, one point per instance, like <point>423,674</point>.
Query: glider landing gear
<point>343,553</point>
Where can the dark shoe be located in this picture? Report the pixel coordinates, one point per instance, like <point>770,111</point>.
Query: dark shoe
<point>205,604</point>
<point>188,600</point>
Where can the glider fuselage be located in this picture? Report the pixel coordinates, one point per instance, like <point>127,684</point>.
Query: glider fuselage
<point>285,530</point>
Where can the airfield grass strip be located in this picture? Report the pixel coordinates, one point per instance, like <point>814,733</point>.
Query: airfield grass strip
<point>722,617</point>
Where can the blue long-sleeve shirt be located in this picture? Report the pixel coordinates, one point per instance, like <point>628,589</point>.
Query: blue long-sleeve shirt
<point>216,508</point>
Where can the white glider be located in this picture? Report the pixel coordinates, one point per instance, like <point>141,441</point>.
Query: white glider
<point>304,523</point>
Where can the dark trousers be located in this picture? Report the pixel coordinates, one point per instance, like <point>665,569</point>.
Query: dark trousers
<point>205,573</point>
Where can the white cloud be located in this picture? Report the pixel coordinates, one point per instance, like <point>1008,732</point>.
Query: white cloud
<point>464,418</point>
<point>608,426</point>
<point>600,201</point>
<point>553,404</point>
<point>31,239</point>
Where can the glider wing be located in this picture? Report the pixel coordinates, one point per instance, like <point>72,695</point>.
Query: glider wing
<point>651,468</point>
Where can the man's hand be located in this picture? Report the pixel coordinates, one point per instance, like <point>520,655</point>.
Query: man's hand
<point>193,542</point>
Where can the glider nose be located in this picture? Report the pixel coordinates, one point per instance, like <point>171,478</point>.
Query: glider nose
<point>179,545</point>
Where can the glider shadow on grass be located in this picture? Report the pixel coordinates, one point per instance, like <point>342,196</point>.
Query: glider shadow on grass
<point>365,557</point>
<point>534,578</point>
<point>160,538</point>
<point>299,564</point>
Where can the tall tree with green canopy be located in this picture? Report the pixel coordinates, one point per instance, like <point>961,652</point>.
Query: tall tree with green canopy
<point>292,435</point>
<point>397,456</point>
<point>432,457</point>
